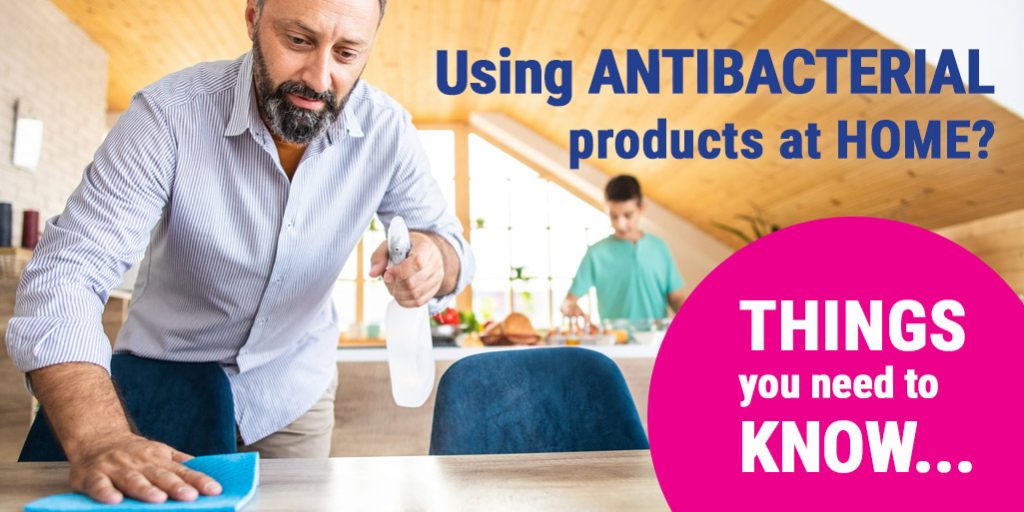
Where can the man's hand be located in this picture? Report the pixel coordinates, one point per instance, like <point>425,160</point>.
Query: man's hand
<point>109,461</point>
<point>424,274</point>
<point>110,468</point>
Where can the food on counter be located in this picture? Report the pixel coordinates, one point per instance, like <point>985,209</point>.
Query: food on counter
<point>469,339</point>
<point>621,335</point>
<point>450,316</point>
<point>516,329</point>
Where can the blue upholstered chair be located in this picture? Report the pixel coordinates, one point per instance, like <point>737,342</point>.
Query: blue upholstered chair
<point>534,400</point>
<point>185,405</point>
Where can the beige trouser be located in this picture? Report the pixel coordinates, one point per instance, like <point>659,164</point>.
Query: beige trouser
<point>307,437</point>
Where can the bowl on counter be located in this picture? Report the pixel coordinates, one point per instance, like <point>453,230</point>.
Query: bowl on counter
<point>642,331</point>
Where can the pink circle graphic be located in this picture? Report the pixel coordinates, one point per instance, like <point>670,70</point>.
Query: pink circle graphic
<point>838,437</point>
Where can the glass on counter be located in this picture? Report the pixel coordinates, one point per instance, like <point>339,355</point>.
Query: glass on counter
<point>578,332</point>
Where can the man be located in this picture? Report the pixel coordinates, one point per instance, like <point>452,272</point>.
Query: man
<point>245,185</point>
<point>633,271</point>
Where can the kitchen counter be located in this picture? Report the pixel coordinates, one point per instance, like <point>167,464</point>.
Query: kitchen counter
<point>372,354</point>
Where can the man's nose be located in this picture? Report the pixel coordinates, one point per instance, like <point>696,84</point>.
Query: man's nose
<point>317,71</point>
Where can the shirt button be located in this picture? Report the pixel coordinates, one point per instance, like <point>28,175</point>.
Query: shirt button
<point>262,321</point>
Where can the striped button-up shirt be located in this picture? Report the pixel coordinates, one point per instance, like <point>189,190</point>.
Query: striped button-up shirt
<point>238,261</point>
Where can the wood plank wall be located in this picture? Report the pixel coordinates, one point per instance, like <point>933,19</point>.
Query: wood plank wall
<point>998,241</point>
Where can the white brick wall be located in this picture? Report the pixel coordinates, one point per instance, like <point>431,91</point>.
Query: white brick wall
<point>60,76</point>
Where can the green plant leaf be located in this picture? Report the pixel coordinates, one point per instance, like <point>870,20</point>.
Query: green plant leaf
<point>729,229</point>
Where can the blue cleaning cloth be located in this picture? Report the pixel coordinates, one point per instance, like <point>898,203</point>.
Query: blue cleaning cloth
<point>237,473</point>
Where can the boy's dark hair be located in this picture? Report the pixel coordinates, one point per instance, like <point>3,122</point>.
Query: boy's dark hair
<point>623,188</point>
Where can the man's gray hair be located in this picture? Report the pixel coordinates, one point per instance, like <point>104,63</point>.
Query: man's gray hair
<point>259,7</point>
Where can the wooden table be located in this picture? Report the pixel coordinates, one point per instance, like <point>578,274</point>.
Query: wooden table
<point>551,481</point>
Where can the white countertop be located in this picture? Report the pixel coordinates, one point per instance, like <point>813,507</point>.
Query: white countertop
<point>379,354</point>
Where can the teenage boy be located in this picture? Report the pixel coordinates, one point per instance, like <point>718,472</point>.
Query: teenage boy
<point>633,271</point>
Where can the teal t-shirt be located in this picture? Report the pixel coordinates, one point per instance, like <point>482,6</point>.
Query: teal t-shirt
<point>633,280</point>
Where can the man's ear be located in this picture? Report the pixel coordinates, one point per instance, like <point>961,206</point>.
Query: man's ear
<point>250,18</point>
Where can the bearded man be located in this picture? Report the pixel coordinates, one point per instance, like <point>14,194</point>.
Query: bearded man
<point>243,186</point>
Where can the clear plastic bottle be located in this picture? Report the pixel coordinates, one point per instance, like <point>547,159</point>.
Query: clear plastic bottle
<point>410,354</point>
<point>407,331</point>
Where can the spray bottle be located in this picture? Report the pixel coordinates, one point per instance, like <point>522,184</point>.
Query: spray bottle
<point>409,345</point>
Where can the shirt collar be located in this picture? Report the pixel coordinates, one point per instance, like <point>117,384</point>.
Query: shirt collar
<point>240,109</point>
<point>349,123</point>
<point>244,114</point>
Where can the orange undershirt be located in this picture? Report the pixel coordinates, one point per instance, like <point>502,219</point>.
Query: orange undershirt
<point>290,155</point>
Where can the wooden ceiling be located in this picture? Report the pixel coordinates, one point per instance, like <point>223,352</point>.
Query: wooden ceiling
<point>146,39</point>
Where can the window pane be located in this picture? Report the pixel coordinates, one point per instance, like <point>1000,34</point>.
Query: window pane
<point>439,146</point>
<point>375,300</point>
<point>568,245</point>
<point>448,191</point>
<point>488,201</point>
<point>529,209</point>
<point>490,299</point>
<point>595,234</point>
<point>527,222</point>
<point>565,205</point>
<point>598,226</point>
<point>486,160</point>
<point>532,299</point>
<point>490,246</point>
<point>529,249</point>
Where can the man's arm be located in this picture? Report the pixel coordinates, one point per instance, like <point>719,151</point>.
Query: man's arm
<point>440,263</point>
<point>85,413</point>
<point>56,334</point>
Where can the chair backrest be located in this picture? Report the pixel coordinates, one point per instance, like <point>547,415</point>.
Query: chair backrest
<point>534,400</point>
<point>185,405</point>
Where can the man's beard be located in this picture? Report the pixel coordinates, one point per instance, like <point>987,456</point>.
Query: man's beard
<point>286,120</point>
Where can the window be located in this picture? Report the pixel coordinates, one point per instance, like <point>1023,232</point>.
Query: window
<point>528,235</point>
